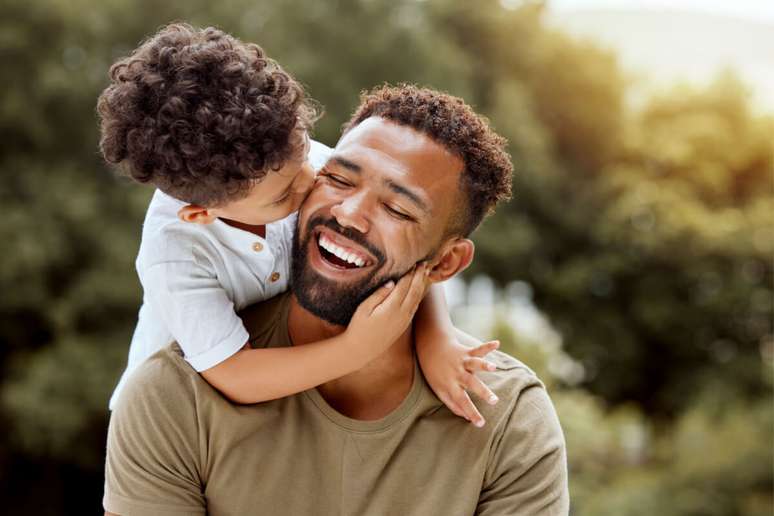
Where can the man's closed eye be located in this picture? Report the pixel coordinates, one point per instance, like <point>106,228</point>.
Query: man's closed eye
<point>398,214</point>
<point>335,180</point>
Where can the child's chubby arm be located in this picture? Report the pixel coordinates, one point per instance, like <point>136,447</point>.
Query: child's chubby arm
<point>448,365</point>
<point>263,374</point>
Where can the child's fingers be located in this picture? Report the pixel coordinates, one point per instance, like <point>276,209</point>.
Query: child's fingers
<point>456,410</point>
<point>378,297</point>
<point>469,409</point>
<point>398,293</point>
<point>479,388</point>
<point>484,348</point>
<point>416,289</point>
<point>405,285</point>
<point>473,364</point>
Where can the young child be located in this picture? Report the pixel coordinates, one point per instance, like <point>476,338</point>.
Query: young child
<point>222,132</point>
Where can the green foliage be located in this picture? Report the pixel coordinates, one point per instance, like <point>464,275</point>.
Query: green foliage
<point>645,234</point>
<point>714,459</point>
<point>649,249</point>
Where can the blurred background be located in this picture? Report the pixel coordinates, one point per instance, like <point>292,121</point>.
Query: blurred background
<point>632,270</point>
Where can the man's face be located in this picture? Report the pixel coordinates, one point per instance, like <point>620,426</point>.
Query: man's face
<point>380,205</point>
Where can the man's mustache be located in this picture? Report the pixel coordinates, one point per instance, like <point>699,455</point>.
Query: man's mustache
<point>349,233</point>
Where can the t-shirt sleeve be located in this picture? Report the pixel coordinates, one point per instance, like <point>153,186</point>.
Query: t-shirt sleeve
<point>527,472</point>
<point>197,311</point>
<point>152,465</point>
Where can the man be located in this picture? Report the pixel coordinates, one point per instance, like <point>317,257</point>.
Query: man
<point>414,173</point>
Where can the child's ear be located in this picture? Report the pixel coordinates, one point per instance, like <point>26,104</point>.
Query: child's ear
<point>454,257</point>
<point>196,214</point>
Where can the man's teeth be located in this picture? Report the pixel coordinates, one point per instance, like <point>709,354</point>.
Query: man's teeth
<point>341,253</point>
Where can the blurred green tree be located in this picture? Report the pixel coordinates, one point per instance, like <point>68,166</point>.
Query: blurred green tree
<point>647,235</point>
<point>714,459</point>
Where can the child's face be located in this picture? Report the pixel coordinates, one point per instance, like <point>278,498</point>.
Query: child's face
<point>276,196</point>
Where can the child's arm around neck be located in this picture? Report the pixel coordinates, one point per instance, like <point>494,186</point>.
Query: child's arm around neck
<point>263,374</point>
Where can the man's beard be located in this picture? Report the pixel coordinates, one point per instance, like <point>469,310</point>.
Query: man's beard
<point>325,298</point>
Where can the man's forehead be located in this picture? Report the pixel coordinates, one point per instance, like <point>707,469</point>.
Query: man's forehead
<point>396,147</point>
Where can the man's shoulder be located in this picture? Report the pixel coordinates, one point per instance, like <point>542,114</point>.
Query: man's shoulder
<point>524,400</point>
<point>523,396</point>
<point>513,371</point>
<point>527,446</point>
<point>164,375</point>
<point>511,374</point>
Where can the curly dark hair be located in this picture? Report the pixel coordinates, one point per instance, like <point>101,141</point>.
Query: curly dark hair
<point>201,115</point>
<point>448,120</point>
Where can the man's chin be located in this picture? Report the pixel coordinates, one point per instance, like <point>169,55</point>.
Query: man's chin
<point>325,299</point>
<point>332,291</point>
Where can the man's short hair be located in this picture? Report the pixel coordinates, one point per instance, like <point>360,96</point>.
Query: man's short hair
<point>448,120</point>
<point>201,115</point>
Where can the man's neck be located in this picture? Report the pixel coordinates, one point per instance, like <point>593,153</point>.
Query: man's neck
<point>371,392</point>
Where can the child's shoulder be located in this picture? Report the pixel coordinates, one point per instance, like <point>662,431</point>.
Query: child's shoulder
<point>166,238</point>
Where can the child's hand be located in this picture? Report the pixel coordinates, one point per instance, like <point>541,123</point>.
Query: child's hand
<point>449,368</point>
<point>385,315</point>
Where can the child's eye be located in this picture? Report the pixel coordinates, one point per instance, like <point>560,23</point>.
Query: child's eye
<point>282,200</point>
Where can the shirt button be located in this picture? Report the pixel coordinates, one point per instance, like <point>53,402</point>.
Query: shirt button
<point>274,276</point>
<point>257,247</point>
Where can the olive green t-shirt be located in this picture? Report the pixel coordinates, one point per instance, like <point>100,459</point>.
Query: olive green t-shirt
<point>176,446</point>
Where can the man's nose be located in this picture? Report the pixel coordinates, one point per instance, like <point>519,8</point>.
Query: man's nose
<point>351,212</point>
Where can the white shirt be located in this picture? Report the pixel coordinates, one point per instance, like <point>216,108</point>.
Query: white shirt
<point>196,277</point>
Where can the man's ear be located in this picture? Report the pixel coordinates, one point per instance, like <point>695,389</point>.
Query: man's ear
<point>454,257</point>
<point>196,214</point>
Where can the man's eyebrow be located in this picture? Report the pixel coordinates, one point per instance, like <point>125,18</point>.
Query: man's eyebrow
<point>402,190</point>
<point>354,167</point>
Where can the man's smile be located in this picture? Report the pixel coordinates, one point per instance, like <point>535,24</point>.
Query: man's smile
<point>343,249</point>
<point>335,254</point>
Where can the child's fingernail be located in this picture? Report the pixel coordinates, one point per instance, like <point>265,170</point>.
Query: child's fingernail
<point>493,399</point>
<point>479,423</point>
<point>491,367</point>
<point>389,284</point>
